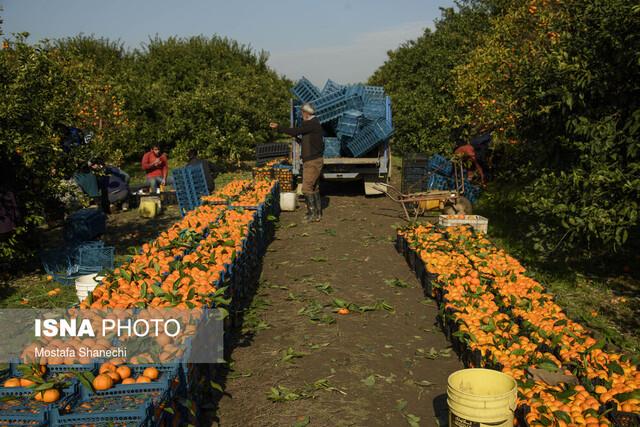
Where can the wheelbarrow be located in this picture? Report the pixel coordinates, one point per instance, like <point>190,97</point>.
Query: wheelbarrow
<point>412,202</point>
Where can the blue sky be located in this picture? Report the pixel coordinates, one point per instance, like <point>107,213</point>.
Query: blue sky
<point>341,40</point>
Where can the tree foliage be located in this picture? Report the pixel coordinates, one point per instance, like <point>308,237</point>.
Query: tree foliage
<point>556,81</point>
<point>211,94</point>
<point>418,78</point>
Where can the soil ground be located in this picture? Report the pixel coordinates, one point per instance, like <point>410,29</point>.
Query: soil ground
<point>387,366</point>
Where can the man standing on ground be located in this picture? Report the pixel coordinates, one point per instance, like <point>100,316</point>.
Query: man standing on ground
<point>210,169</point>
<point>312,162</point>
<point>154,163</point>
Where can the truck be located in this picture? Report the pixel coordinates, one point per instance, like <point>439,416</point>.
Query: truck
<point>374,167</point>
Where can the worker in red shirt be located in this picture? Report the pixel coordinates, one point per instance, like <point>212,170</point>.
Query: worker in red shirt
<point>154,163</point>
<point>468,155</point>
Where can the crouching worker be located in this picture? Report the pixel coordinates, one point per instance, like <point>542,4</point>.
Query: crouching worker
<point>312,162</point>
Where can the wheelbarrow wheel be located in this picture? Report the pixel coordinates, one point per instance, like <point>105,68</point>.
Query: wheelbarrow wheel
<point>462,206</point>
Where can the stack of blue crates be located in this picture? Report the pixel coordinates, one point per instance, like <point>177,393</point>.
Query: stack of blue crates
<point>355,115</point>
<point>190,185</point>
<point>332,147</point>
<point>84,225</point>
<point>443,178</point>
<point>79,254</point>
<point>64,264</point>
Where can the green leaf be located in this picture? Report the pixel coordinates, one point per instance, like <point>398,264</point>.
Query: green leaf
<point>302,423</point>
<point>157,290</point>
<point>369,381</point>
<point>548,366</point>
<point>561,415</point>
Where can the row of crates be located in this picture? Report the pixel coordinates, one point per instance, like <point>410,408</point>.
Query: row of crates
<point>173,398</point>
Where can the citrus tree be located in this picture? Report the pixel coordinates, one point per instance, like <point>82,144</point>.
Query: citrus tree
<point>210,94</point>
<point>556,83</point>
<point>34,114</point>
<point>418,78</point>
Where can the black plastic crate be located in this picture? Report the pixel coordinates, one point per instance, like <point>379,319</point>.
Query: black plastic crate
<point>272,150</point>
<point>415,168</point>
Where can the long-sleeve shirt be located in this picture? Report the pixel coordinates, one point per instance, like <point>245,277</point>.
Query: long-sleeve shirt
<point>312,143</point>
<point>161,169</point>
<point>468,152</point>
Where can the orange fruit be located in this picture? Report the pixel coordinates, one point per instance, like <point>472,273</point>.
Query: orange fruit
<point>24,383</point>
<point>50,395</point>
<point>107,367</point>
<point>38,396</point>
<point>343,311</point>
<point>151,372</point>
<point>128,381</point>
<point>12,382</point>
<point>124,371</point>
<point>143,379</point>
<point>102,382</point>
<point>115,376</point>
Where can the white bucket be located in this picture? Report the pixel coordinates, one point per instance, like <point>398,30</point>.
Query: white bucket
<point>288,201</point>
<point>86,284</point>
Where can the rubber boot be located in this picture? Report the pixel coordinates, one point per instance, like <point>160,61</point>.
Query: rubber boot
<point>308,199</point>
<point>318,206</point>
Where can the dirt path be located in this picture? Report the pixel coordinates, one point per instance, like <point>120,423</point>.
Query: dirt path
<point>385,366</point>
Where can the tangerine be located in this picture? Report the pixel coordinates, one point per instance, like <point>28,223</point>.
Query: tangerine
<point>50,395</point>
<point>103,382</point>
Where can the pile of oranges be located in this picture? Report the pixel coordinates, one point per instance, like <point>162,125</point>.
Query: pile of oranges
<point>509,321</point>
<point>111,374</point>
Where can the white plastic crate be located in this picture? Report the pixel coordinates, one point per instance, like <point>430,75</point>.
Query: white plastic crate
<point>479,223</point>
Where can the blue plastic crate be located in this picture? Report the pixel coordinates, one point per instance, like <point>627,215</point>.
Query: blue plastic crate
<point>363,141</point>
<point>332,147</point>
<point>382,128</point>
<point>142,417</point>
<point>84,225</point>
<point>374,94</point>
<point>369,137</point>
<point>92,259</point>
<point>305,91</point>
<point>349,122</point>
<point>331,87</point>
<point>334,104</point>
<point>26,411</point>
<point>440,182</point>
<point>56,262</point>
<point>356,89</point>
<point>190,185</point>
<point>374,110</point>
<point>437,161</point>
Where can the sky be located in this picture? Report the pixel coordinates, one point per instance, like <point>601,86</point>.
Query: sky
<point>341,40</point>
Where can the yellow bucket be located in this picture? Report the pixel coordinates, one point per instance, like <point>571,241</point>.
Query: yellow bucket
<point>430,205</point>
<point>481,397</point>
<point>148,208</point>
